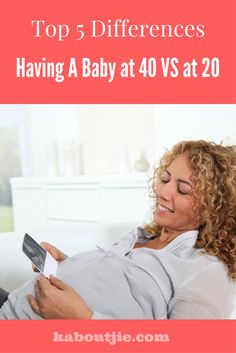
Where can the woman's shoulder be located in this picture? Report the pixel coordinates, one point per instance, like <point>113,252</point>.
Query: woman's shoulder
<point>209,270</point>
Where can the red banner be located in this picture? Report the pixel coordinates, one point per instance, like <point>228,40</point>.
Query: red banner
<point>118,336</point>
<point>118,51</point>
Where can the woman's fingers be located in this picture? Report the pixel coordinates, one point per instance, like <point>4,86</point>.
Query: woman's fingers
<point>37,290</point>
<point>57,300</point>
<point>42,284</point>
<point>34,268</point>
<point>33,303</point>
<point>51,249</point>
<point>56,253</point>
<point>56,282</point>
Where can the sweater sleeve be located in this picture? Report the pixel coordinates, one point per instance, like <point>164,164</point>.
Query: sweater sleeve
<point>210,295</point>
<point>99,316</point>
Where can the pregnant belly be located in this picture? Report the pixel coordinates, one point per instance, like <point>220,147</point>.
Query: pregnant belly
<point>114,286</point>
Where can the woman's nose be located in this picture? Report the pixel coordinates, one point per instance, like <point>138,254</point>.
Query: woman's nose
<point>165,191</point>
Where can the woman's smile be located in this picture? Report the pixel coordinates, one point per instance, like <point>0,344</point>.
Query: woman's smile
<point>163,209</point>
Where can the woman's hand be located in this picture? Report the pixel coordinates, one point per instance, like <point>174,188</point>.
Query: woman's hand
<point>56,253</point>
<point>56,300</point>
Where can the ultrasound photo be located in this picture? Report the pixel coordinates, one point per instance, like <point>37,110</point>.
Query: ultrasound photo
<point>35,252</point>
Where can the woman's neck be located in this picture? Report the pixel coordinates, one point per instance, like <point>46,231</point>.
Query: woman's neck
<point>168,235</point>
<point>160,242</point>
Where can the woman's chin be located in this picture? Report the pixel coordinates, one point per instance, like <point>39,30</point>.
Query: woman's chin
<point>161,221</point>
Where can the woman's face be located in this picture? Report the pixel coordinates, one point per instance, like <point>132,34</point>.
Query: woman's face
<point>174,202</point>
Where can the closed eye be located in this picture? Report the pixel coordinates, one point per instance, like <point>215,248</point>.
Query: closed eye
<point>183,192</point>
<point>165,180</point>
<point>179,189</point>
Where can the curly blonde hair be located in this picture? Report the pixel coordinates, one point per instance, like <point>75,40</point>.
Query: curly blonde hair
<point>214,177</point>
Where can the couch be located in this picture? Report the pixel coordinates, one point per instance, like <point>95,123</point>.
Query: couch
<point>15,267</point>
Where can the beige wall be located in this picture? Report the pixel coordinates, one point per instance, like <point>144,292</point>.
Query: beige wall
<point>110,133</point>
